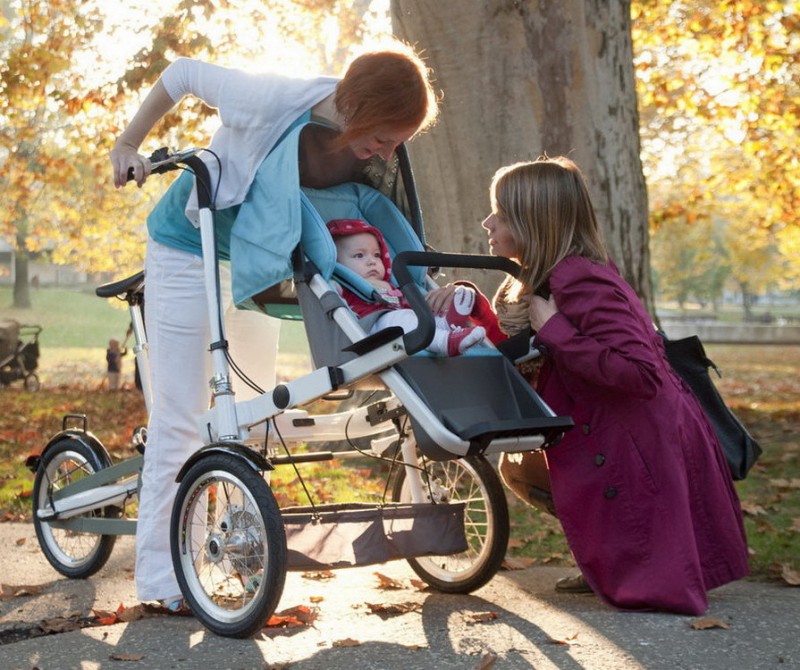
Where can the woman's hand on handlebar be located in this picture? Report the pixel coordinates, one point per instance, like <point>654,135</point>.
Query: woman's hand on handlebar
<point>128,164</point>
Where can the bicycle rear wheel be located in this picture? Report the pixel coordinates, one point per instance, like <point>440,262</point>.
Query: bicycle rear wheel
<point>474,482</point>
<point>75,554</point>
<point>228,545</point>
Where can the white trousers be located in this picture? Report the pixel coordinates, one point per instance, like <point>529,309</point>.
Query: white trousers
<point>178,335</point>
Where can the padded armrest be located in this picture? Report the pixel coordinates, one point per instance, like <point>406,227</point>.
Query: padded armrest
<point>372,342</point>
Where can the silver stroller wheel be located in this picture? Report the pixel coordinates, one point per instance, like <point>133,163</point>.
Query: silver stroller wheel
<point>228,545</point>
<point>31,382</point>
<point>474,482</point>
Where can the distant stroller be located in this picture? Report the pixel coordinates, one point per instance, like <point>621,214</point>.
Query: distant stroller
<point>19,354</point>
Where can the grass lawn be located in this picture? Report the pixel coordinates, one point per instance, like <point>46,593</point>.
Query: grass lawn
<point>76,327</point>
<point>761,383</point>
<point>69,318</point>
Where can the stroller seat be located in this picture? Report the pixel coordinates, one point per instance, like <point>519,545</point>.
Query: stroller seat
<point>464,405</point>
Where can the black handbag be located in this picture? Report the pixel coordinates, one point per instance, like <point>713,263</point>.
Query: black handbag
<point>688,358</point>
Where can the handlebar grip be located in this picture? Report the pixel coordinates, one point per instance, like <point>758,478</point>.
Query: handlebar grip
<point>164,160</point>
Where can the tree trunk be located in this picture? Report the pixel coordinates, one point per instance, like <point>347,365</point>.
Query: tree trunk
<point>22,289</point>
<point>522,78</point>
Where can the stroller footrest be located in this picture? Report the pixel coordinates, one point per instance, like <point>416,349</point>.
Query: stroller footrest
<point>484,432</point>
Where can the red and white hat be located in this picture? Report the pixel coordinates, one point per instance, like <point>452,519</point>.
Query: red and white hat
<point>342,227</point>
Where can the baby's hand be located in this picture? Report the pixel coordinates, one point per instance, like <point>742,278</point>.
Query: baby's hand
<point>439,299</point>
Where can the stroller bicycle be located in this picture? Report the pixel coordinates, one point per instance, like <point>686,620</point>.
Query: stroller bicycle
<point>441,417</point>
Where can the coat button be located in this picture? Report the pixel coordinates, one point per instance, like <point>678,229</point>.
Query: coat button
<point>586,429</point>
<point>599,459</point>
<point>610,492</point>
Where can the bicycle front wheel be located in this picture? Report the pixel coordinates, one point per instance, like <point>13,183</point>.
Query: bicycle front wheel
<point>228,545</point>
<point>474,482</point>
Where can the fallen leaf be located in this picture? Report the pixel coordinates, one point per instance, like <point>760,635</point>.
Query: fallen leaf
<point>790,576</point>
<point>128,614</point>
<point>7,592</point>
<point>126,657</point>
<point>393,609</point>
<point>293,617</point>
<point>785,483</point>
<point>752,509</point>
<point>59,625</point>
<point>516,563</point>
<point>346,642</point>
<point>481,617</point>
<point>316,599</point>
<point>21,541</point>
<point>708,622</point>
<point>487,661</point>
<point>418,584</point>
<point>277,621</point>
<point>552,640</point>
<point>764,526</point>
<point>554,558</point>
<point>104,618</point>
<point>320,575</point>
<point>388,583</point>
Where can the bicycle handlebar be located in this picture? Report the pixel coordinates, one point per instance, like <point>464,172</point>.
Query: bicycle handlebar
<point>163,160</point>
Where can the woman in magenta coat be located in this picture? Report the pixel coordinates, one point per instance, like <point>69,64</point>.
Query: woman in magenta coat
<point>640,485</point>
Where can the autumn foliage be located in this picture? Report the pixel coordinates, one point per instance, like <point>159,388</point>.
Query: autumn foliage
<point>720,106</point>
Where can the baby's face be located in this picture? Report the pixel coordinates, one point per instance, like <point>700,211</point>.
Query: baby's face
<point>362,254</point>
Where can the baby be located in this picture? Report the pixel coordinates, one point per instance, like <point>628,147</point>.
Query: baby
<point>361,248</point>
<point>114,364</point>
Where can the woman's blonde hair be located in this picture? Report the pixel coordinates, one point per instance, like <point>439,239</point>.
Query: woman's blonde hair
<point>548,209</point>
<point>391,87</point>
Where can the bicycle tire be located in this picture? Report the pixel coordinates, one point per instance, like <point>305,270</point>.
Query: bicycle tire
<point>228,545</point>
<point>473,481</point>
<point>75,554</point>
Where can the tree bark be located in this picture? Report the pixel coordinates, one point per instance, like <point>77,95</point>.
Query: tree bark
<point>22,289</point>
<point>519,79</point>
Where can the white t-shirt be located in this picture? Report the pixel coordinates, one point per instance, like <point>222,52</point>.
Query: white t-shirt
<point>255,110</point>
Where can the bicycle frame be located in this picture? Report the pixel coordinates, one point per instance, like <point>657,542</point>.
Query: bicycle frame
<point>446,511</point>
<point>228,423</point>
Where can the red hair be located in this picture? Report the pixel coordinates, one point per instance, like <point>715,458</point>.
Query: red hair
<point>386,88</point>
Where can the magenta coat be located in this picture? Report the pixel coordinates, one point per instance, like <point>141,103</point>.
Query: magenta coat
<point>640,485</point>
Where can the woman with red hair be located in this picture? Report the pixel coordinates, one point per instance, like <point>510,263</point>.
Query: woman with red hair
<point>347,130</point>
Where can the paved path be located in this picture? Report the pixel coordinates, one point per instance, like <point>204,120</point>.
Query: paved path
<point>517,621</point>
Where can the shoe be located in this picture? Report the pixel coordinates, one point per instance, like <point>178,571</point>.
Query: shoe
<point>575,584</point>
<point>458,341</point>
<point>175,605</point>
<point>253,583</point>
<point>461,307</point>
